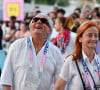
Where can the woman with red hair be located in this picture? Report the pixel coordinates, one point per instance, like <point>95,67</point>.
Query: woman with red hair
<point>82,68</point>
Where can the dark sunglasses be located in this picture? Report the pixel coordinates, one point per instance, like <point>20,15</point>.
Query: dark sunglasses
<point>43,20</point>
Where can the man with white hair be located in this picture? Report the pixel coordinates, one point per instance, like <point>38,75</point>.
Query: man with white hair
<point>32,62</point>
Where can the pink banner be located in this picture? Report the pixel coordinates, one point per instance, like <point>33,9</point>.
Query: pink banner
<point>13,8</point>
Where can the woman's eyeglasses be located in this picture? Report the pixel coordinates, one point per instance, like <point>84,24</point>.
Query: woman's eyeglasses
<point>43,20</point>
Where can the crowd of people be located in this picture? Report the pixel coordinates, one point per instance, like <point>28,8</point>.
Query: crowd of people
<point>52,51</point>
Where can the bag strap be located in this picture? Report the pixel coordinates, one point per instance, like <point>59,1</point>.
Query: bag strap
<point>80,75</point>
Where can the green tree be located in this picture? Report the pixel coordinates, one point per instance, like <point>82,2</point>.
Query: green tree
<point>41,2</point>
<point>62,2</point>
<point>52,2</point>
<point>98,1</point>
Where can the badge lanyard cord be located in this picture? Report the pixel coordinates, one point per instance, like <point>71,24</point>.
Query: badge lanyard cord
<point>87,71</point>
<point>44,53</point>
<point>98,64</point>
<point>92,79</point>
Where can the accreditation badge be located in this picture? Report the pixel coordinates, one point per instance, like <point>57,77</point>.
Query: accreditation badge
<point>32,80</point>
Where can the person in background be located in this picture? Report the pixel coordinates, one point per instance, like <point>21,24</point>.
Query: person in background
<point>14,20</point>
<point>60,13</point>
<point>37,12</point>
<point>52,15</point>
<point>65,38</point>
<point>9,34</point>
<point>54,33</point>
<point>33,62</point>
<point>77,11</point>
<point>5,26</point>
<point>22,32</point>
<point>55,8</point>
<point>71,24</point>
<point>82,68</point>
<point>27,21</point>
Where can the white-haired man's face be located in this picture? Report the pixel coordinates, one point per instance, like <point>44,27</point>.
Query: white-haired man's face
<point>40,26</point>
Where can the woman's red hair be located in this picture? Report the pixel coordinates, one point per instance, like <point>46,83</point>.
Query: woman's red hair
<point>83,27</point>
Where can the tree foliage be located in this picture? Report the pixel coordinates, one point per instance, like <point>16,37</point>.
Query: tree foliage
<point>41,1</point>
<point>52,2</point>
<point>63,2</point>
<point>98,1</point>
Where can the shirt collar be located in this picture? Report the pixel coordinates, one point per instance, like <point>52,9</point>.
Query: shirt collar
<point>85,56</point>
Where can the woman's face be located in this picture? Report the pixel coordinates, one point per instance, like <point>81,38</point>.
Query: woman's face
<point>57,25</point>
<point>89,38</point>
<point>22,27</point>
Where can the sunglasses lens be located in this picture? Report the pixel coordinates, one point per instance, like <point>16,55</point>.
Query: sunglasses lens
<point>43,20</point>
<point>35,19</point>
